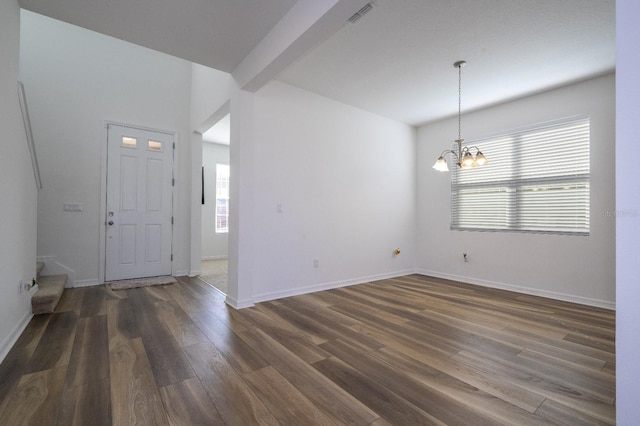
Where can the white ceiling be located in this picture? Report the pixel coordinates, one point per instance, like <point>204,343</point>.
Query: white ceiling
<point>215,33</point>
<point>396,61</point>
<point>220,132</point>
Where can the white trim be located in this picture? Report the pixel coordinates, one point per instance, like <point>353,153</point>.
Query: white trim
<point>328,286</point>
<point>85,283</point>
<point>238,304</point>
<point>181,273</point>
<point>29,134</point>
<point>220,257</point>
<point>13,337</point>
<point>523,290</point>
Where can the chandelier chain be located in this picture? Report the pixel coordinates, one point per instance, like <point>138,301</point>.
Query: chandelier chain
<point>459,99</point>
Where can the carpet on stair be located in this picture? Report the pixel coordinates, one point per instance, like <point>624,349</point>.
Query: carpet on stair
<point>49,292</point>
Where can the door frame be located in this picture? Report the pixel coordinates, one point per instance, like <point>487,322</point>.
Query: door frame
<point>103,190</point>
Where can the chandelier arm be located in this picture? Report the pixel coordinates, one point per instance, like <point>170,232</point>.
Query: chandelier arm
<point>450,151</point>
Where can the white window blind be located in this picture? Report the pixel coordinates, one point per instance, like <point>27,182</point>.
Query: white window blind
<point>222,198</point>
<point>537,180</point>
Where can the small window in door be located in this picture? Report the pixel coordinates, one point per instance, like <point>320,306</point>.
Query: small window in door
<point>128,142</point>
<point>154,145</point>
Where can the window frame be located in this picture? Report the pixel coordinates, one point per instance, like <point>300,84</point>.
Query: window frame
<point>525,197</point>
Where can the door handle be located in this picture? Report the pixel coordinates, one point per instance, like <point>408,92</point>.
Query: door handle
<point>110,223</point>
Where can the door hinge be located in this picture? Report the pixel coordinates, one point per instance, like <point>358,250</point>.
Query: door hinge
<point>172,257</point>
<point>172,220</point>
<point>174,145</point>
<point>173,181</point>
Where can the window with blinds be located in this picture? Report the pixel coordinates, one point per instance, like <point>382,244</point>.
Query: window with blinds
<point>537,180</point>
<point>222,198</point>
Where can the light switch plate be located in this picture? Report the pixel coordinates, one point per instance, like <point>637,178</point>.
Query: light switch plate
<point>73,207</point>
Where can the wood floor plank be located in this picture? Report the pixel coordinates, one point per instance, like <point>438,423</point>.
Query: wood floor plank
<point>94,301</point>
<point>326,326</point>
<point>183,329</point>
<point>235,401</point>
<point>11,371</point>
<point>597,382</point>
<point>281,314</point>
<point>550,387</point>
<point>206,298</point>
<point>54,348</point>
<point>396,409</point>
<point>564,415</point>
<point>90,355</point>
<point>400,331</point>
<point>286,333</point>
<point>342,407</point>
<point>134,396</point>
<point>36,399</point>
<point>121,321</point>
<point>286,403</point>
<point>71,300</point>
<point>433,401</point>
<point>86,390</point>
<point>508,392</point>
<point>237,353</point>
<point>187,403</point>
<point>166,358</point>
<point>86,401</point>
<point>497,409</point>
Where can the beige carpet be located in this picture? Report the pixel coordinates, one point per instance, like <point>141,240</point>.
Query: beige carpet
<point>215,273</point>
<point>141,282</point>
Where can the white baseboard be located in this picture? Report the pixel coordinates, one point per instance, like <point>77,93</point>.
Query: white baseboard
<point>183,273</point>
<point>85,283</point>
<point>524,290</point>
<point>12,338</point>
<point>238,304</point>
<point>328,286</point>
<point>214,257</point>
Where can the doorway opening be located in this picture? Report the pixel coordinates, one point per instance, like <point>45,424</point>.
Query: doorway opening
<point>215,204</point>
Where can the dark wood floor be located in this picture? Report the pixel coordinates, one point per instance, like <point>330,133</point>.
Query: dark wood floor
<point>405,351</point>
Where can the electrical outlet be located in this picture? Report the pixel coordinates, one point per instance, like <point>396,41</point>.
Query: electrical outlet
<point>464,255</point>
<point>316,263</point>
<point>24,286</point>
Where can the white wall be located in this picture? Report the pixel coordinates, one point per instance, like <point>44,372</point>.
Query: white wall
<point>628,205</point>
<point>328,182</point>
<point>214,245</point>
<point>77,79</point>
<point>17,188</point>
<point>210,93</point>
<point>210,90</point>
<point>580,269</point>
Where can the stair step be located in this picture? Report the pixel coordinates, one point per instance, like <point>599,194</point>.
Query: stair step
<point>49,292</point>
<point>39,267</point>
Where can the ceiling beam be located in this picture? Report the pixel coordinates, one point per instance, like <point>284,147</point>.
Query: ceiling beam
<point>307,24</point>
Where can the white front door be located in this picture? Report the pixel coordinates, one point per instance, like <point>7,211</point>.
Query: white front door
<point>139,203</point>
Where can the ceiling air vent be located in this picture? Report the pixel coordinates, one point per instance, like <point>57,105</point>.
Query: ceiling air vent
<point>359,14</point>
